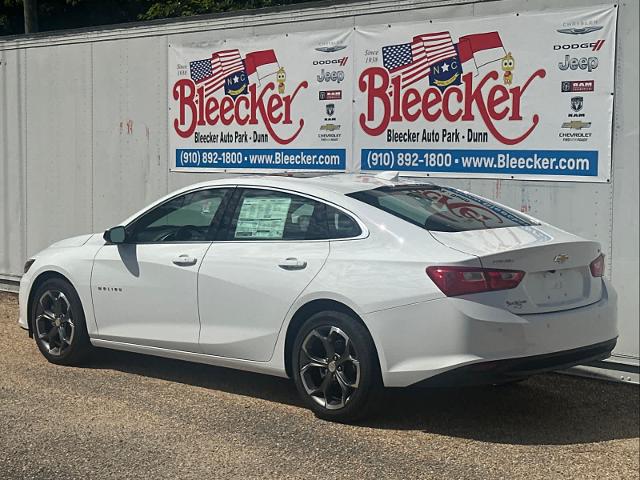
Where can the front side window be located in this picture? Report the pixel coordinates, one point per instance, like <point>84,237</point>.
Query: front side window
<point>273,215</point>
<point>440,209</point>
<point>186,218</point>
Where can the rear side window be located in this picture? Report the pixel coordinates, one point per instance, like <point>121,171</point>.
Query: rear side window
<point>341,225</point>
<point>440,209</point>
<point>273,215</point>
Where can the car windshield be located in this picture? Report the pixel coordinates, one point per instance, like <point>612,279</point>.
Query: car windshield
<point>440,209</point>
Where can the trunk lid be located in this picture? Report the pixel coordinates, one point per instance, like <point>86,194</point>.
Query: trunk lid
<point>556,265</point>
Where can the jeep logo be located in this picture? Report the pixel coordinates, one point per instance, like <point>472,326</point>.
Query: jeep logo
<point>584,63</point>
<point>334,76</point>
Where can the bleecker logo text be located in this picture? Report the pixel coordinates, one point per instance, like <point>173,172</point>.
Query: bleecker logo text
<point>493,101</point>
<point>198,109</point>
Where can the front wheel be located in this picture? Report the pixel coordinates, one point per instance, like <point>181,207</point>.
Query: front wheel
<point>335,367</point>
<point>58,323</point>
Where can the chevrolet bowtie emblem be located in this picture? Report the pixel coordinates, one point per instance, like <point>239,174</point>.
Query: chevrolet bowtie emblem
<point>561,258</point>
<point>576,124</point>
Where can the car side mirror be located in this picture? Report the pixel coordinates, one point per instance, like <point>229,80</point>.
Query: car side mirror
<point>115,235</point>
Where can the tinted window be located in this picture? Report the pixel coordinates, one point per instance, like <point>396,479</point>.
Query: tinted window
<point>440,209</point>
<point>272,215</point>
<point>341,225</point>
<point>186,218</point>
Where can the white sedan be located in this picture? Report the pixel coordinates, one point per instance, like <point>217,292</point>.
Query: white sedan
<point>345,283</point>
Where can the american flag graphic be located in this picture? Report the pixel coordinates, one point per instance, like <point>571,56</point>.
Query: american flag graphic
<point>412,61</point>
<point>212,71</point>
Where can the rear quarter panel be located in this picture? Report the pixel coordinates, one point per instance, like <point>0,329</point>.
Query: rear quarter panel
<point>387,268</point>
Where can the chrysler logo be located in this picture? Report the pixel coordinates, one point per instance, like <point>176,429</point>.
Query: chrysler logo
<point>579,30</point>
<point>561,258</point>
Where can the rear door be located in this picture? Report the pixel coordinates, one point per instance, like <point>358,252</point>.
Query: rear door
<point>274,244</point>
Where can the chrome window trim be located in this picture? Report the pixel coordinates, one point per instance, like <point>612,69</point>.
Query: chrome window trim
<point>364,231</point>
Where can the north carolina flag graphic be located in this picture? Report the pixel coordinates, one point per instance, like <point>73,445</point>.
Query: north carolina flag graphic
<point>261,64</point>
<point>480,49</point>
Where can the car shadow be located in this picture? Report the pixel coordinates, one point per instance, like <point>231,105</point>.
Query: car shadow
<point>551,409</point>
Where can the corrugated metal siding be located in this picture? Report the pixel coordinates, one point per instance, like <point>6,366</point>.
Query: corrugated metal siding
<point>623,218</point>
<point>58,134</point>
<point>84,139</point>
<point>13,175</point>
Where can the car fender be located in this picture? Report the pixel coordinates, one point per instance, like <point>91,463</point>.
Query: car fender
<point>309,295</point>
<point>75,264</point>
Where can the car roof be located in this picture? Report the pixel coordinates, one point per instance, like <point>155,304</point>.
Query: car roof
<point>341,183</point>
<point>325,186</point>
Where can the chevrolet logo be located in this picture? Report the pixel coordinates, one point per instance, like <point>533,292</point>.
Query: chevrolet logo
<point>576,125</point>
<point>330,127</point>
<point>561,258</point>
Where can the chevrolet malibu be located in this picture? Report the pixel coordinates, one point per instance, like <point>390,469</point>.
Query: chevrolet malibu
<point>344,283</point>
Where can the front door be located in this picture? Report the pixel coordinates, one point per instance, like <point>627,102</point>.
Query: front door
<point>145,290</point>
<point>275,243</point>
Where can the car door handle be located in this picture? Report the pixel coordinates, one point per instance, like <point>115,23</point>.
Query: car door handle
<point>292,263</point>
<point>185,260</point>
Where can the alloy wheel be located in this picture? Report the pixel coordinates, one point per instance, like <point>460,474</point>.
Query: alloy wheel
<point>329,367</point>
<point>54,322</point>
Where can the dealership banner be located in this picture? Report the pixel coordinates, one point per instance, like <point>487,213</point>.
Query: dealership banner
<point>524,96</point>
<point>267,103</point>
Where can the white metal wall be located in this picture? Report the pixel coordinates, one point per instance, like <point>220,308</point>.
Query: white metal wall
<point>83,132</point>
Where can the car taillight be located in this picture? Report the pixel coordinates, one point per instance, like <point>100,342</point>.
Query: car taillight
<point>597,266</point>
<point>455,281</point>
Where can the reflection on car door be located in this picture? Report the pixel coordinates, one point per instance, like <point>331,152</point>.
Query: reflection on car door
<point>145,291</point>
<point>273,246</point>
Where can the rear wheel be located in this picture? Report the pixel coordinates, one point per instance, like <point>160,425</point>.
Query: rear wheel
<point>58,323</point>
<point>335,367</point>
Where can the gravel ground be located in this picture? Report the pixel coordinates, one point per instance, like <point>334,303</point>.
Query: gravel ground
<point>130,416</point>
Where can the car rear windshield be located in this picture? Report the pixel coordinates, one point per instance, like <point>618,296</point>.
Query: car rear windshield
<point>440,209</point>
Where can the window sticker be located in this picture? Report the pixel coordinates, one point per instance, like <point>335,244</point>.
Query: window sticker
<point>262,218</point>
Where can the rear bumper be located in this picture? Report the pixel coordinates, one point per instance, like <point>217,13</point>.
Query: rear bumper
<point>424,340</point>
<point>501,371</point>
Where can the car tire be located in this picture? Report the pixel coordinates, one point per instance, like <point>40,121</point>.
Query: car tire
<point>58,323</point>
<point>336,368</point>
